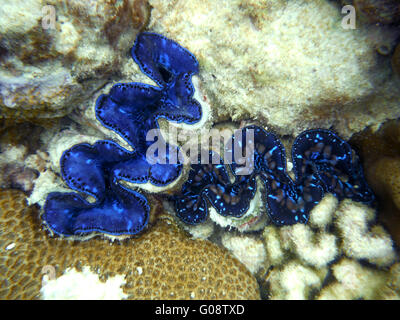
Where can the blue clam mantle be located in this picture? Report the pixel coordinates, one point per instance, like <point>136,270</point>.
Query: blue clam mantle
<point>322,161</point>
<point>131,110</point>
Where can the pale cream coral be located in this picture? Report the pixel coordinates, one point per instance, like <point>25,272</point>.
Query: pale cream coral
<point>322,214</point>
<point>358,240</point>
<point>293,282</point>
<point>273,246</point>
<point>47,182</point>
<point>13,153</point>
<point>58,52</point>
<point>246,249</point>
<point>347,232</point>
<point>391,291</point>
<point>20,21</point>
<point>315,249</point>
<point>286,63</point>
<point>353,282</point>
<point>200,231</point>
<point>83,285</point>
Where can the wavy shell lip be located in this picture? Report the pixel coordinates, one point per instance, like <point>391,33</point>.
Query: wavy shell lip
<point>104,170</point>
<point>322,162</point>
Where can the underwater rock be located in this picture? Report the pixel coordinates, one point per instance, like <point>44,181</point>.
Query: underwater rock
<point>383,38</point>
<point>386,178</point>
<point>162,264</point>
<point>17,177</point>
<point>17,166</point>
<point>55,54</point>
<point>384,175</point>
<point>378,11</point>
<point>284,63</point>
<point>380,151</point>
<point>396,60</point>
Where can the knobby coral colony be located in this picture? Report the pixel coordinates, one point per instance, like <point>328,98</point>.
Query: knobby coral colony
<point>322,161</point>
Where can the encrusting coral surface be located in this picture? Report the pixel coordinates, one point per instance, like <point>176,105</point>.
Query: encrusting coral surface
<point>162,264</point>
<point>288,64</point>
<point>55,54</point>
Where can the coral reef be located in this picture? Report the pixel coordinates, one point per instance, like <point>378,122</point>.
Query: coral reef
<point>272,65</point>
<point>162,264</point>
<point>322,162</point>
<point>283,63</point>
<point>57,53</point>
<point>327,258</point>
<point>385,177</point>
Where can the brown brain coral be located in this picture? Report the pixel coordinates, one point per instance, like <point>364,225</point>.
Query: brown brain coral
<point>386,177</point>
<point>380,152</point>
<point>171,265</point>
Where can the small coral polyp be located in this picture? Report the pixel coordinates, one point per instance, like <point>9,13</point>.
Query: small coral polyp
<point>322,161</point>
<point>131,110</point>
